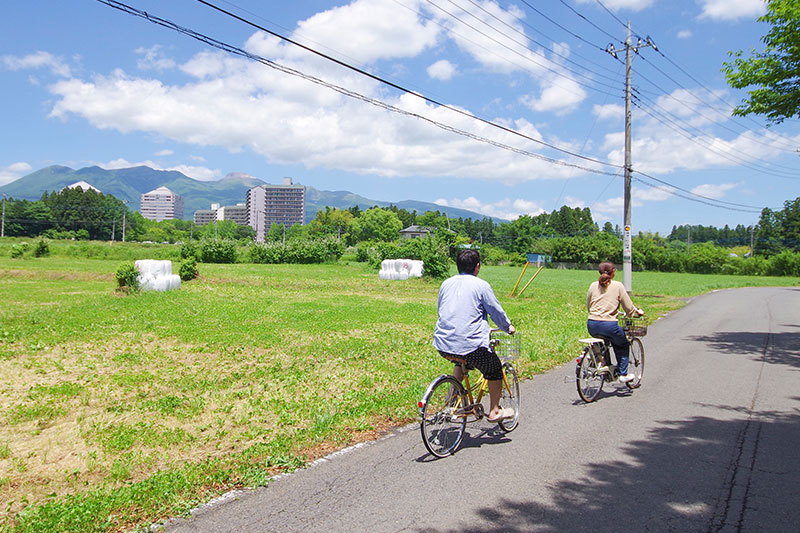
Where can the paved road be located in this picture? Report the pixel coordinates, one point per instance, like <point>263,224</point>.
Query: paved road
<point>709,443</point>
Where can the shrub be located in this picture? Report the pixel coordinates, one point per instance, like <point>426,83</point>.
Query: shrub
<point>127,277</point>
<point>18,250</point>
<point>188,270</point>
<point>189,250</point>
<point>42,249</point>
<point>222,251</point>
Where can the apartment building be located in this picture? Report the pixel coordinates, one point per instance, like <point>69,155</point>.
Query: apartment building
<point>275,204</point>
<point>236,213</point>
<point>205,216</point>
<point>161,204</point>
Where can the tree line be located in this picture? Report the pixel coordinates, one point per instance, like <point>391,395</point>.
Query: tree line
<point>568,234</point>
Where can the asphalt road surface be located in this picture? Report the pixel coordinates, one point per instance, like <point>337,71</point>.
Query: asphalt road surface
<point>710,442</point>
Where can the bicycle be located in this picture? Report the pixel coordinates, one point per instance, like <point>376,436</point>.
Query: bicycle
<point>594,366</point>
<point>448,405</point>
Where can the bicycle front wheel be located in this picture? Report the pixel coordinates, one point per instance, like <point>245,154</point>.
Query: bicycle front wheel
<point>636,363</point>
<point>443,419</point>
<point>589,381</point>
<point>509,397</point>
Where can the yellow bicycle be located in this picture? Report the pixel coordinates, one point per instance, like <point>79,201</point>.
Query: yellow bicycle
<point>448,405</point>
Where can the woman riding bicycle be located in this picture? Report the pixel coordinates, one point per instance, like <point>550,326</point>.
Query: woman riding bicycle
<point>602,301</point>
<point>462,329</point>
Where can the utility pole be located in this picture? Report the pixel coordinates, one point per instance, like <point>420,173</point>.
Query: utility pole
<point>3,223</point>
<point>688,240</point>
<point>124,212</point>
<point>627,248</point>
<point>752,239</point>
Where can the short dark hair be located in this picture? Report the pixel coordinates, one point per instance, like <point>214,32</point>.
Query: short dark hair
<point>467,260</point>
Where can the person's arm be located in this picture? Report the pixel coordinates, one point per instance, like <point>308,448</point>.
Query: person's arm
<point>495,310</point>
<point>627,303</point>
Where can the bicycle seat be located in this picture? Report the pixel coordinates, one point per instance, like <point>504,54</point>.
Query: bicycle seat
<point>459,361</point>
<point>592,340</point>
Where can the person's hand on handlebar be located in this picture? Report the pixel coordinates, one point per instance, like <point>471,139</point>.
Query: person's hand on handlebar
<point>639,311</point>
<point>511,329</point>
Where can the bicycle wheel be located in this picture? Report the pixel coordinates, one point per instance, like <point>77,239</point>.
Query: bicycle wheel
<point>509,397</point>
<point>589,382</point>
<point>636,363</point>
<point>442,420</point>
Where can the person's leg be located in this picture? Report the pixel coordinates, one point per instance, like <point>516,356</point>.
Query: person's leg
<point>599,328</point>
<point>490,366</point>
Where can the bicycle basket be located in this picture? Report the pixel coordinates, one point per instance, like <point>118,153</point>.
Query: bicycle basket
<point>506,346</point>
<point>634,327</point>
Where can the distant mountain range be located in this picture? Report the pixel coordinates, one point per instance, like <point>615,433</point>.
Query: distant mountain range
<point>130,183</point>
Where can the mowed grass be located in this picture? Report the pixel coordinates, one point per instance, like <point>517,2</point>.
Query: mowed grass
<point>123,410</point>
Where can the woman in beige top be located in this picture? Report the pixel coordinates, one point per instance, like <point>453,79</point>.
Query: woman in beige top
<point>603,301</point>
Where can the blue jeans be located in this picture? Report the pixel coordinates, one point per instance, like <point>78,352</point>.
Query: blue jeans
<point>612,331</point>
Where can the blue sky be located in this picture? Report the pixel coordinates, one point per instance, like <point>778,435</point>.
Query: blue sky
<point>86,84</point>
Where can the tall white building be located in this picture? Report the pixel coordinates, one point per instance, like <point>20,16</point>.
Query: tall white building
<point>161,204</point>
<point>275,204</point>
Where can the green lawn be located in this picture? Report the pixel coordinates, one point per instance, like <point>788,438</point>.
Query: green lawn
<point>120,410</point>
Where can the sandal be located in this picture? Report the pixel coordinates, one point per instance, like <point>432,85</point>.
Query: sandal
<point>505,414</point>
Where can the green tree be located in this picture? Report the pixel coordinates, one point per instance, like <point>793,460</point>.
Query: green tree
<point>376,224</point>
<point>332,221</point>
<point>774,71</point>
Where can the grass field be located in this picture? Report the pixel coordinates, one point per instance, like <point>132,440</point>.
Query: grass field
<point>118,411</point>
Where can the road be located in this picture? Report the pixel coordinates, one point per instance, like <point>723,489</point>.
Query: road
<point>709,443</point>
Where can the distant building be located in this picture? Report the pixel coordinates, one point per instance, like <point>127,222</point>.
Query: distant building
<point>236,213</point>
<point>161,204</point>
<point>206,216</point>
<point>414,232</point>
<point>82,185</point>
<point>275,204</point>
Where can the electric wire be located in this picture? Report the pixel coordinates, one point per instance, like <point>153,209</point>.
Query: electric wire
<point>700,138</point>
<point>238,51</point>
<point>517,52</point>
<point>613,37</point>
<point>378,103</point>
<point>614,80</point>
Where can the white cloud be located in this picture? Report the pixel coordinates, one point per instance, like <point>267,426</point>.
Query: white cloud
<point>154,59</point>
<point>164,153</point>
<point>561,96</point>
<point>367,30</point>
<point>442,70</point>
<point>732,9</point>
<point>684,34</point>
<point>616,5</point>
<point>38,60</point>
<point>194,172</point>
<point>609,111</point>
<point>715,191</point>
<point>13,172</point>
<point>506,209</point>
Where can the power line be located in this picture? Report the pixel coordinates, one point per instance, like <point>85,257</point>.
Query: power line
<point>517,52</point>
<point>350,93</point>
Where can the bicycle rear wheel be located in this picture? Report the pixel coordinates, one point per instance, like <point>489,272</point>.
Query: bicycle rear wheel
<point>443,419</point>
<point>509,397</point>
<point>589,381</point>
<point>636,363</point>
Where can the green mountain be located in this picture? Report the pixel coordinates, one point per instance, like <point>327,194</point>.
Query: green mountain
<point>129,184</point>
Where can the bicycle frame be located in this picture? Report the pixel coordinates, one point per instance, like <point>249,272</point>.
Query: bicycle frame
<point>475,393</point>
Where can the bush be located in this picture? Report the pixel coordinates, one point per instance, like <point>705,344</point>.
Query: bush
<point>188,270</point>
<point>18,250</point>
<point>189,250</point>
<point>222,251</point>
<point>297,252</point>
<point>127,277</point>
<point>42,249</point>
